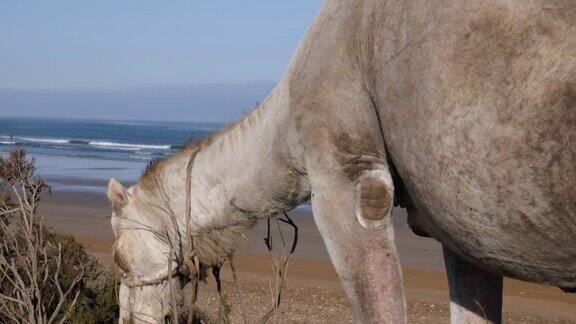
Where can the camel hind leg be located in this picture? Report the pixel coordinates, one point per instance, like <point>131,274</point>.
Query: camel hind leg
<point>475,294</point>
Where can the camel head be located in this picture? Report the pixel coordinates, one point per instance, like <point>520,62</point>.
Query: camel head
<point>142,255</point>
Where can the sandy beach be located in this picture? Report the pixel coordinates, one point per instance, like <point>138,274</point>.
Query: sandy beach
<point>314,293</point>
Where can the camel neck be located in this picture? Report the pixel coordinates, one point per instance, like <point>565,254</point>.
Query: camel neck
<point>249,171</point>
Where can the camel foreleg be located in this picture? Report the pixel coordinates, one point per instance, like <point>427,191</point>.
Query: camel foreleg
<point>354,219</point>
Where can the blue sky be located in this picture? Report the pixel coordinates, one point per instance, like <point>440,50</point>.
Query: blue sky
<point>90,44</point>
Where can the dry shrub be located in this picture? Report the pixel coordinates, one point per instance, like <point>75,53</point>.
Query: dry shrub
<point>44,277</point>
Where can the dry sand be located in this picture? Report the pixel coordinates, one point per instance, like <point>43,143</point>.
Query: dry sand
<point>314,293</point>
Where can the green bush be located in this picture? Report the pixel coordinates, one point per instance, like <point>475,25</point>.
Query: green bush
<point>97,302</point>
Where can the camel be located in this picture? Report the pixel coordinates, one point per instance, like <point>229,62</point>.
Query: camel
<point>462,112</point>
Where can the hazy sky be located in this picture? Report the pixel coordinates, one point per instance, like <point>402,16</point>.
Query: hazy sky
<point>95,44</point>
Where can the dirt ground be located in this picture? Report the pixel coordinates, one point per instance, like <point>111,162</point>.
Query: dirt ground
<point>309,301</point>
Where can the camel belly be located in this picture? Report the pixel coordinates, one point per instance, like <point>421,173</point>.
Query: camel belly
<point>500,192</point>
<point>503,198</point>
<point>537,251</point>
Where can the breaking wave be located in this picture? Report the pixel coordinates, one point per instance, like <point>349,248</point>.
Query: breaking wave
<point>52,142</point>
<point>129,146</point>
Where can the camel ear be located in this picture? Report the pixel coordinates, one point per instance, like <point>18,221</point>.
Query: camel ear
<point>117,194</point>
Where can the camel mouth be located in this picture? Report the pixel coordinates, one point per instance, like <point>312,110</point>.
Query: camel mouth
<point>148,303</point>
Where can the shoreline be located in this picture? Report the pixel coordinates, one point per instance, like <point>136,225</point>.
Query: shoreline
<point>86,216</point>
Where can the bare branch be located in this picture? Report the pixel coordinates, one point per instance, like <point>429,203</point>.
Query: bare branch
<point>280,262</point>
<point>26,255</point>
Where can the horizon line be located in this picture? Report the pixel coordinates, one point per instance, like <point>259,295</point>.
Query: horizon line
<point>141,86</point>
<point>114,120</point>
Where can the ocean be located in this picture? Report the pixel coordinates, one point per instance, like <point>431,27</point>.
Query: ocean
<point>84,154</point>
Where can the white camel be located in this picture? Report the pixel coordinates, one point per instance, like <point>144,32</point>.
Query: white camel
<point>463,112</point>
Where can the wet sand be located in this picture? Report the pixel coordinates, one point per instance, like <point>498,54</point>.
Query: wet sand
<point>86,216</point>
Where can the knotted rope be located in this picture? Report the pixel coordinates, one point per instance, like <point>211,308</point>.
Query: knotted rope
<point>191,260</point>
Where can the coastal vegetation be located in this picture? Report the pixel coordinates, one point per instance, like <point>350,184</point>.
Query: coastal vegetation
<point>45,277</point>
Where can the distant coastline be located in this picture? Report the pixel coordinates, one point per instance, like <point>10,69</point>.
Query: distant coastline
<point>222,102</point>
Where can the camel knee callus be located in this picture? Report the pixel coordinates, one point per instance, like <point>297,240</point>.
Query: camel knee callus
<point>375,199</point>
